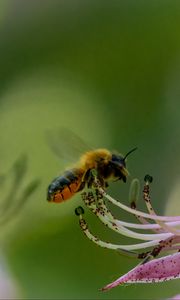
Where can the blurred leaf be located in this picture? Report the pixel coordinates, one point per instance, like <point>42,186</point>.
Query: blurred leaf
<point>16,206</point>
<point>17,195</point>
<point>19,169</point>
<point>2,179</point>
<point>30,189</point>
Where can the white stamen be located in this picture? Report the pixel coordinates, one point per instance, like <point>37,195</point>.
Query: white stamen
<point>153,213</point>
<point>137,212</point>
<point>114,246</point>
<point>112,224</point>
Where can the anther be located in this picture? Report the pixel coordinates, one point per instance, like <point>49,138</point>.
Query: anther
<point>79,211</point>
<point>134,193</point>
<point>148,178</point>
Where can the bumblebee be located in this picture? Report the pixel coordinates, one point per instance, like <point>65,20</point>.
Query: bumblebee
<point>107,165</point>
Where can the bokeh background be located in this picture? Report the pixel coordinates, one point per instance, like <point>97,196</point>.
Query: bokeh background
<point>109,71</point>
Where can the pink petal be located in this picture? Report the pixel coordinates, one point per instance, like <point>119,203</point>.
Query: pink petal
<point>157,270</point>
<point>177,297</point>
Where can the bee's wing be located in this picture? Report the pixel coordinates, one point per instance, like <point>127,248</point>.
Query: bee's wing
<point>66,144</point>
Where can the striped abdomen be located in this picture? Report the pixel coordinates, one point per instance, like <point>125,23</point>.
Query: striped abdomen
<point>64,187</point>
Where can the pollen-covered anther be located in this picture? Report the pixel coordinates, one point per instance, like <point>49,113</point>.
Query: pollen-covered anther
<point>83,224</point>
<point>163,232</point>
<point>84,196</point>
<point>90,198</point>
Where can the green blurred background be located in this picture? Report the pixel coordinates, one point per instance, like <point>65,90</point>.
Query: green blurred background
<point>109,71</point>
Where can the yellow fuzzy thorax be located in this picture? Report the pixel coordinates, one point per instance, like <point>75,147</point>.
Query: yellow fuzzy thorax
<point>90,159</point>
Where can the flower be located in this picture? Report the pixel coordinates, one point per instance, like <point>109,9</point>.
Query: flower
<point>177,297</point>
<point>164,235</point>
<point>9,287</point>
<point>157,270</point>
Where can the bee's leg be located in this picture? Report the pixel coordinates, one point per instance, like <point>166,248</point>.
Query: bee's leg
<point>86,179</point>
<point>81,187</point>
<point>99,195</point>
<point>103,184</point>
<point>90,180</point>
<point>106,184</point>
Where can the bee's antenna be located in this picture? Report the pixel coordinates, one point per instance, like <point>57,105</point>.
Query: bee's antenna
<point>129,152</point>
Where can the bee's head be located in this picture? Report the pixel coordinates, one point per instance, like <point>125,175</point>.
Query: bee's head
<point>119,165</point>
